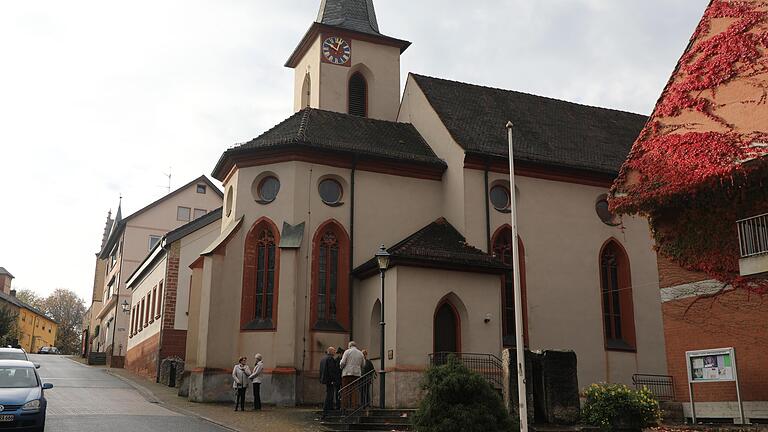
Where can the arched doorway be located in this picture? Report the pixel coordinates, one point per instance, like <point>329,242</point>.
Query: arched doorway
<point>447,329</point>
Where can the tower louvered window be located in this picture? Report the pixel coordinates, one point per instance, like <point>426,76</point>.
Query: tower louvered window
<point>358,95</point>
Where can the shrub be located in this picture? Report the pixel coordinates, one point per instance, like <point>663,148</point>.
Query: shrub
<point>610,406</point>
<point>459,400</point>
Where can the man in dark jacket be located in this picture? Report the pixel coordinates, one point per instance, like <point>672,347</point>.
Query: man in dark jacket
<point>339,354</point>
<point>329,370</point>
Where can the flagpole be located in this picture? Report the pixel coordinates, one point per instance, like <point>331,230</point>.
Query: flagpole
<point>519,340</point>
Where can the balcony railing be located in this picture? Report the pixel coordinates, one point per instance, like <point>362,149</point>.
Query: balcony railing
<point>753,236</point>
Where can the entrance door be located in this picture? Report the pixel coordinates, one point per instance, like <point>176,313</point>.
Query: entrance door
<point>447,329</point>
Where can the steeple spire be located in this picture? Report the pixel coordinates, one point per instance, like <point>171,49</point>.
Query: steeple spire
<point>355,15</point>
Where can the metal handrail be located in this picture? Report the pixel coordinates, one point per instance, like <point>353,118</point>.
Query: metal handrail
<point>346,392</point>
<point>488,365</point>
<point>662,386</point>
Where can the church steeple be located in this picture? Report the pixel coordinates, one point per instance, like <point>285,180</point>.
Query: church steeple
<point>355,15</point>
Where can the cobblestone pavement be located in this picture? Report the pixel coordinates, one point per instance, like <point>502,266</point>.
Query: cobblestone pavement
<point>89,399</point>
<point>269,419</point>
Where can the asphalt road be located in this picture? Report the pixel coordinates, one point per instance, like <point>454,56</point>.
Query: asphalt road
<point>86,399</point>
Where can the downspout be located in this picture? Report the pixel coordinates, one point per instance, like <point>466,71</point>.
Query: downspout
<point>487,212</point>
<point>352,247</point>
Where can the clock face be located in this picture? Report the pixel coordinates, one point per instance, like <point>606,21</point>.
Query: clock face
<point>336,50</point>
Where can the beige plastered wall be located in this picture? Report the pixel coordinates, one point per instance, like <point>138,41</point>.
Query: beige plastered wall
<point>190,248</point>
<point>140,290</point>
<point>379,64</point>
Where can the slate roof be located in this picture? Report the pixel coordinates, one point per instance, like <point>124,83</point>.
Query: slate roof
<point>4,272</point>
<point>355,15</point>
<point>18,303</point>
<point>440,245</point>
<point>331,131</point>
<point>546,131</point>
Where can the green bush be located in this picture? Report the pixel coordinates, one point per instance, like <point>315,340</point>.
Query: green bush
<point>612,406</point>
<point>459,400</point>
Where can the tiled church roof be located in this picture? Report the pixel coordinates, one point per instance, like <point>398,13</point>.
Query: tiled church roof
<point>356,15</point>
<point>331,131</point>
<point>440,245</point>
<point>547,131</point>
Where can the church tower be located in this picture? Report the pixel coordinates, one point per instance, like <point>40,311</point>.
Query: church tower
<point>345,64</point>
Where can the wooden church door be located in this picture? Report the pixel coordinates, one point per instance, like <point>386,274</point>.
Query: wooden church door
<point>447,329</point>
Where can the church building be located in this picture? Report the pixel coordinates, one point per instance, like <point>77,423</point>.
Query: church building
<point>425,173</point>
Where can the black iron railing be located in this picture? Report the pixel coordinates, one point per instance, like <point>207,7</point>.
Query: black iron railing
<point>357,395</point>
<point>487,365</point>
<point>662,386</point>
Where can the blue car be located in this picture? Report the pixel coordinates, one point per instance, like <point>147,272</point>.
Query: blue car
<point>22,397</point>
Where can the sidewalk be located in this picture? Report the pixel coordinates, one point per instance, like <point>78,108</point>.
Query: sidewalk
<point>269,419</point>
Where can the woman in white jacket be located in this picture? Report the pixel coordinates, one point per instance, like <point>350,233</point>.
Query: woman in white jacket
<point>241,376</point>
<point>255,377</point>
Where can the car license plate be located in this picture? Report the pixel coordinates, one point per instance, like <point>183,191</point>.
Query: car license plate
<point>6,418</point>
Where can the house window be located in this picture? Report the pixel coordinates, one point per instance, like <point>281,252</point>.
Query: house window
<point>201,188</point>
<point>200,213</point>
<point>159,299</point>
<point>502,249</point>
<point>358,95</point>
<point>260,278</point>
<point>141,316</point>
<point>153,241</point>
<point>616,295</point>
<point>183,213</point>
<point>146,317</point>
<point>133,322</point>
<point>150,296</point>
<point>330,278</point>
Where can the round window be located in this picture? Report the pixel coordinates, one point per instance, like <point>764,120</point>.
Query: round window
<point>268,189</point>
<point>604,213</point>
<point>230,198</point>
<point>500,198</point>
<point>330,191</point>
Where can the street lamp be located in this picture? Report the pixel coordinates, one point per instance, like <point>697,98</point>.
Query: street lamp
<point>126,306</point>
<point>382,258</point>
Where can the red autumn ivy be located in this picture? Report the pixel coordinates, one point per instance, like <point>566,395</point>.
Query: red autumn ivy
<point>691,182</point>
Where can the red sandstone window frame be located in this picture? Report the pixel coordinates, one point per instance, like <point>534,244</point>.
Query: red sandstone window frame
<point>502,248</point>
<point>249,322</point>
<point>341,323</point>
<point>159,298</point>
<point>621,293</point>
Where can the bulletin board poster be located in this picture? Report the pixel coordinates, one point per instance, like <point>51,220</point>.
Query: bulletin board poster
<point>711,366</point>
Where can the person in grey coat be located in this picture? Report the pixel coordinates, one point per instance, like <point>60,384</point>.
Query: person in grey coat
<point>241,382</point>
<point>255,377</point>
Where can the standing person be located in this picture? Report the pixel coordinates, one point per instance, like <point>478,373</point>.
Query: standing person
<point>351,368</point>
<point>258,368</point>
<point>365,391</point>
<point>241,382</point>
<point>329,372</point>
<point>337,383</point>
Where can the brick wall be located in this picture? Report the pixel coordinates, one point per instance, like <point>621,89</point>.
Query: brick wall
<point>174,344</point>
<point>171,286</point>
<point>142,358</point>
<point>671,274</point>
<point>734,319</point>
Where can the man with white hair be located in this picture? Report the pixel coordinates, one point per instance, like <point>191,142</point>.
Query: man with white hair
<point>351,369</point>
<point>256,379</point>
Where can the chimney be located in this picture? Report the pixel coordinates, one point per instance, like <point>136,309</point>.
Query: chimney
<point>13,293</point>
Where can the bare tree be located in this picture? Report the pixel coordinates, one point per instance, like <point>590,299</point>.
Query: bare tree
<point>29,297</point>
<point>68,310</point>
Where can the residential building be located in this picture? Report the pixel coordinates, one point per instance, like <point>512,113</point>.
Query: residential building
<point>309,202</point>
<point>34,329</point>
<point>160,295</point>
<point>129,241</point>
<point>90,326</point>
<point>698,172</point>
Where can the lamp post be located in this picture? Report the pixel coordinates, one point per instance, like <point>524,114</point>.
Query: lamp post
<point>382,258</point>
<point>126,306</point>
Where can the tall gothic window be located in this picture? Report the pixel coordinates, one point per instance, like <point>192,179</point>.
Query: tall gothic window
<point>259,303</point>
<point>358,95</point>
<point>331,278</point>
<point>616,296</point>
<point>502,249</point>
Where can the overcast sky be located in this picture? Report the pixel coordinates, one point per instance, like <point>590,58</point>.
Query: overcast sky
<point>101,98</point>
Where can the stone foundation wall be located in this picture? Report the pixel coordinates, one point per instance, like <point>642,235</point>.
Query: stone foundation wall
<point>142,358</point>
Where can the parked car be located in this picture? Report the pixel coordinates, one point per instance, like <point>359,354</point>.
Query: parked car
<point>22,396</point>
<point>48,350</point>
<point>13,354</point>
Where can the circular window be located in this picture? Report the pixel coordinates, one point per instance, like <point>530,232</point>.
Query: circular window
<point>330,191</point>
<point>230,198</point>
<point>500,198</point>
<point>604,213</point>
<point>268,189</point>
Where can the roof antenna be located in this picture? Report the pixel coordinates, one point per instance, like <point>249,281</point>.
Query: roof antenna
<point>169,179</point>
